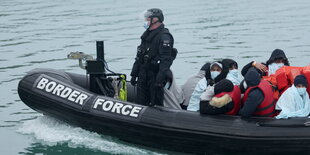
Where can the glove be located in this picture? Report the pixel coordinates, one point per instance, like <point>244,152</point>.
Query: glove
<point>160,80</point>
<point>159,84</point>
<point>133,80</point>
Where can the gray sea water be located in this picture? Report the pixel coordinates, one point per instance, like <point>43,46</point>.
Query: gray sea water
<point>38,33</point>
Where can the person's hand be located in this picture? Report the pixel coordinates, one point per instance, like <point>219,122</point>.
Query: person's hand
<point>207,94</point>
<point>159,82</point>
<point>133,80</point>
<point>260,66</point>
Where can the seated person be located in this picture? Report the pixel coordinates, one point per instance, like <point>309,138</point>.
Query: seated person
<point>268,70</point>
<point>214,74</point>
<point>294,102</point>
<point>190,84</point>
<point>223,102</point>
<point>258,98</point>
<point>276,61</point>
<point>232,75</point>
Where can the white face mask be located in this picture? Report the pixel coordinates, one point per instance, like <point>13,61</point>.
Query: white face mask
<point>233,73</point>
<point>214,74</point>
<point>233,76</point>
<point>146,25</point>
<point>301,91</point>
<point>272,68</point>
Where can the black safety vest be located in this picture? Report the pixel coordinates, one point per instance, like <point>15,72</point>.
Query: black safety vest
<point>150,47</point>
<point>148,55</point>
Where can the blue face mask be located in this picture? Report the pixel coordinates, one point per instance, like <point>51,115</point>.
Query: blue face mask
<point>301,91</point>
<point>233,73</point>
<point>146,25</point>
<point>272,68</point>
<point>214,74</point>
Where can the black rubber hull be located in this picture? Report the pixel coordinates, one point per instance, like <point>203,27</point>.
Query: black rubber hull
<point>163,128</point>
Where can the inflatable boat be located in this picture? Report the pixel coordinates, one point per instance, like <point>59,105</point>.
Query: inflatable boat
<point>68,97</point>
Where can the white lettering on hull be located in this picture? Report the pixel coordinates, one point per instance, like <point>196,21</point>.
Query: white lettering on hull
<point>118,108</point>
<point>62,91</point>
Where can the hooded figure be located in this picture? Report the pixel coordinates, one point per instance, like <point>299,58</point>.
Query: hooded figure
<point>252,78</point>
<point>277,54</point>
<point>276,61</point>
<point>294,102</point>
<point>190,84</point>
<point>218,105</point>
<point>232,74</point>
<point>211,77</point>
<point>255,97</point>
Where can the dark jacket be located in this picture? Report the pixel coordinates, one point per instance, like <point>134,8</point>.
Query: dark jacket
<point>222,86</point>
<point>206,108</point>
<point>246,68</point>
<point>154,52</point>
<point>276,54</point>
<point>153,61</point>
<point>220,77</point>
<point>255,97</point>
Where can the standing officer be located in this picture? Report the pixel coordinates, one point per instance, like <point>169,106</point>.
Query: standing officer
<point>154,57</point>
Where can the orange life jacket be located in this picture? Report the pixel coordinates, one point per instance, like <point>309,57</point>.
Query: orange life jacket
<point>236,98</point>
<point>306,73</point>
<point>267,107</point>
<point>283,78</point>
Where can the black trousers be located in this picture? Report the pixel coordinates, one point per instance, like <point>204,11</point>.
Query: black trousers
<point>147,92</point>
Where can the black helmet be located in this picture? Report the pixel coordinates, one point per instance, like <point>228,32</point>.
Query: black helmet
<point>154,12</point>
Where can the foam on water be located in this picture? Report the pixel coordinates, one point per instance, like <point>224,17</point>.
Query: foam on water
<point>51,132</point>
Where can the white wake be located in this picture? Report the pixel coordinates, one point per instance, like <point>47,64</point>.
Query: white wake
<point>52,132</point>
